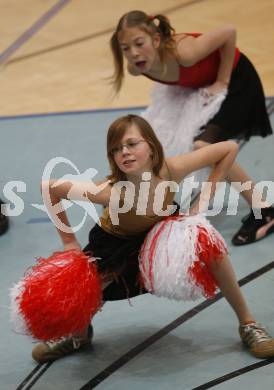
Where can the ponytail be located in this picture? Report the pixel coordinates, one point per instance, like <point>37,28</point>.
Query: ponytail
<point>118,75</point>
<point>167,45</point>
<point>164,27</point>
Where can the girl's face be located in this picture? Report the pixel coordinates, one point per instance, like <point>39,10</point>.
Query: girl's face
<point>133,154</point>
<point>139,48</point>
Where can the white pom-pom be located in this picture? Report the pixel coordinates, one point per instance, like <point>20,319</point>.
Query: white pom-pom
<point>169,252</point>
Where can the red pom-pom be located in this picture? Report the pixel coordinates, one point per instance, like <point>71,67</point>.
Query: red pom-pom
<point>59,295</point>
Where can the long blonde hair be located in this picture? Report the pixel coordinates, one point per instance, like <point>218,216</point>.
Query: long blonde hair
<point>146,23</point>
<point>116,132</point>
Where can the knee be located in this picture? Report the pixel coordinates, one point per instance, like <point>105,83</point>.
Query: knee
<point>199,144</point>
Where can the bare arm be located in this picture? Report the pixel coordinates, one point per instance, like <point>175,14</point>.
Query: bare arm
<point>192,50</point>
<point>220,155</point>
<point>54,191</point>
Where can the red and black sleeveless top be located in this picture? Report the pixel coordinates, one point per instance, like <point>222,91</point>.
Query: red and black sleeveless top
<point>202,73</point>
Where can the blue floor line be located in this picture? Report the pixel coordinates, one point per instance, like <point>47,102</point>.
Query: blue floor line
<point>80,112</point>
<point>7,53</point>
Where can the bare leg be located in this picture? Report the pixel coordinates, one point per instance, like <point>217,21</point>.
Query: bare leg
<point>253,334</point>
<point>105,282</point>
<point>227,282</point>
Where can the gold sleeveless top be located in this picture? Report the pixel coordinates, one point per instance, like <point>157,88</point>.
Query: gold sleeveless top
<point>131,223</point>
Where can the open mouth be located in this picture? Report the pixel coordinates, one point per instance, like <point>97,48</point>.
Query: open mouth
<point>140,64</point>
<point>128,162</point>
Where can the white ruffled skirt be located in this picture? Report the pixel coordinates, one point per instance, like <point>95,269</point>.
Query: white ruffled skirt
<point>177,114</point>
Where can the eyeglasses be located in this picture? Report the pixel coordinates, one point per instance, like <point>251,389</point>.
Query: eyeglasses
<point>130,145</point>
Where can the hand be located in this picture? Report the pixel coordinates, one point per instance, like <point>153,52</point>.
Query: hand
<point>216,88</point>
<point>73,245</point>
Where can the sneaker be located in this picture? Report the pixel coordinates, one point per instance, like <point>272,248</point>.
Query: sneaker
<point>256,338</point>
<point>50,351</point>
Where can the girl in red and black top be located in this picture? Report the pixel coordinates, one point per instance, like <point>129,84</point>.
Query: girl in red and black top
<point>207,91</point>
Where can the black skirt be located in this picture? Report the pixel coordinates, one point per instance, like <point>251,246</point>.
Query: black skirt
<point>243,113</point>
<point>119,256</point>
<point>114,254</point>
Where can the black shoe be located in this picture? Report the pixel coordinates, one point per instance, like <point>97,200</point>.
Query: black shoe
<point>4,222</point>
<point>248,231</point>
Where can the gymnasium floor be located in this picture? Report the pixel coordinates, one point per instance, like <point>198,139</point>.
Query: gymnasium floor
<point>48,111</point>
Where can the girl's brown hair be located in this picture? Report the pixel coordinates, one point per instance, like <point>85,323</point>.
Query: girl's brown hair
<point>146,23</point>
<point>116,132</point>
